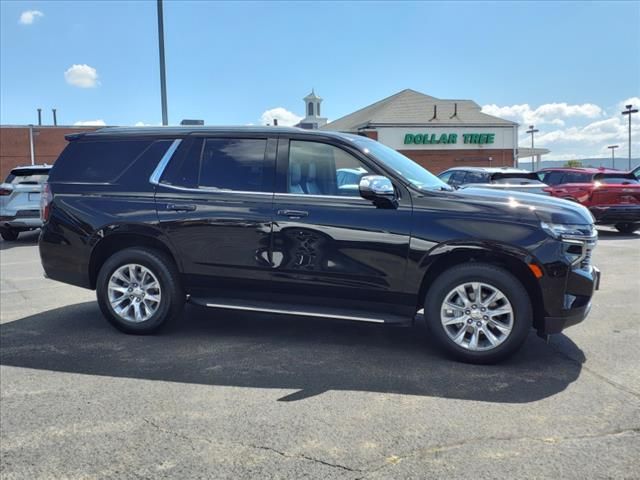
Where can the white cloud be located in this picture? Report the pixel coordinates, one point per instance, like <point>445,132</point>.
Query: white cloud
<point>284,116</point>
<point>28,17</point>
<point>575,131</point>
<point>142,124</point>
<point>549,113</point>
<point>90,123</point>
<point>82,76</point>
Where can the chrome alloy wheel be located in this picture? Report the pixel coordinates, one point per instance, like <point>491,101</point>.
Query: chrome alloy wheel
<point>477,316</point>
<point>134,293</point>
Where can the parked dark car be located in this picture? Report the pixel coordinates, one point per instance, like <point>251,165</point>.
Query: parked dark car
<point>501,178</point>
<point>255,219</point>
<point>612,196</point>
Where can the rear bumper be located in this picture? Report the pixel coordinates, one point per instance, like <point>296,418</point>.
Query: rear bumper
<point>578,309</point>
<point>607,215</point>
<point>21,219</point>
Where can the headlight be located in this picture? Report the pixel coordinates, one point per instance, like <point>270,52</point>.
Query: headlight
<point>567,230</point>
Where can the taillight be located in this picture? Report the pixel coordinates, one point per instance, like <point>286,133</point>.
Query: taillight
<point>45,202</point>
<point>4,191</point>
<point>547,189</point>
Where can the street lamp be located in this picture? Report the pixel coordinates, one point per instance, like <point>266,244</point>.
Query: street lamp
<point>629,111</point>
<point>613,157</point>
<point>532,131</point>
<point>163,79</point>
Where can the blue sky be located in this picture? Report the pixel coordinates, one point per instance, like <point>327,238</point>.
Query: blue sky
<point>566,66</point>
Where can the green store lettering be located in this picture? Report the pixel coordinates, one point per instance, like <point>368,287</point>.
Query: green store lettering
<point>448,138</point>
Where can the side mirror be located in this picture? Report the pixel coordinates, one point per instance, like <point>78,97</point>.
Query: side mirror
<point>379,190</point>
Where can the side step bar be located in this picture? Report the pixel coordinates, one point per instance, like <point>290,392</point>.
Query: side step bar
<point>300,310</point>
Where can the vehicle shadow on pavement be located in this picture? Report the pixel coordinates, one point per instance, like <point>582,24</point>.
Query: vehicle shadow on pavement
<point>266,351</point>
<point>25,239</point>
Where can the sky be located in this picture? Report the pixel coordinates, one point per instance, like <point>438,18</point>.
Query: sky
<point>567,67</point>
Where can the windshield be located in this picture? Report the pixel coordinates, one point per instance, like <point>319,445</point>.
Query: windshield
<point>405,167</point>
<point>27,177</point>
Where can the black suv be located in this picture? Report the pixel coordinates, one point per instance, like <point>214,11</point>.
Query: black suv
<point>311,224</point>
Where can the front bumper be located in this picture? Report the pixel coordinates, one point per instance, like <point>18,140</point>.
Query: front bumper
<point>579,306</point>
<point>608,215</point>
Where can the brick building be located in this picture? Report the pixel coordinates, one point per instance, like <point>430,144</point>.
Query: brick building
<point>437,134</point>
<point>48,142</point>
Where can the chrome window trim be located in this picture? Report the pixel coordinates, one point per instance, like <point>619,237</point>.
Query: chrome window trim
<point>162,164</point>
<point>333,197</point>
<point>294,312</point>
<point>212,190</point>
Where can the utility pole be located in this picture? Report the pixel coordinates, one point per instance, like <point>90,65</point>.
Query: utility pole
<point>629,111</point>
<point>163,79</point>
<point>613,157</point>
<point>532,131</point>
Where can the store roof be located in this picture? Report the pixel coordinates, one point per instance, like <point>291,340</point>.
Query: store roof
<point>409,107</point>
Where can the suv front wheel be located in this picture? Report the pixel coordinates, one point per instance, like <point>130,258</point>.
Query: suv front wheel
<point>479,313</point>
<point>139,290</point>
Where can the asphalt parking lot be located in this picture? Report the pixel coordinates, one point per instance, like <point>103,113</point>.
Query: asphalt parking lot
<point>229,395</point>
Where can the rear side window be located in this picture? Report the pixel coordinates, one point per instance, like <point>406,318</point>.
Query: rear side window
<point>96,161</point>
<point>233,164</point>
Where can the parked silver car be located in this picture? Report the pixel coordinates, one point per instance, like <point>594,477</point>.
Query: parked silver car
<point>20,200</point>
<point>502,178</point>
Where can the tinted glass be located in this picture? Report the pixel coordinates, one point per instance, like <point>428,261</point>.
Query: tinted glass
<point>96,161</point>
<point>445,176</point>
<point>27,177</point>
<point>553,178</point>
<point>322,169</point>
<point>182,170</point>
<point>577,177</point>
<point>476,177</point>
<point>233,164</point>
<point>458,177</point>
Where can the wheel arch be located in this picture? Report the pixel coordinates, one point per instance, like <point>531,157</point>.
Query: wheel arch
<point>110,244</point>
<point>516,265</point>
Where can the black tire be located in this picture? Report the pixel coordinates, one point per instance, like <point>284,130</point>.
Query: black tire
<point>172,295</point>
<point>627,227</point>
<point>491,275</point>
<point>9,234</point>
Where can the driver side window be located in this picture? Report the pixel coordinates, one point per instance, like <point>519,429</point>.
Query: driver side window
<point>322,169</point>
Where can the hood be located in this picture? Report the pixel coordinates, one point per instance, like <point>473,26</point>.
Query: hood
<point>546,209</point>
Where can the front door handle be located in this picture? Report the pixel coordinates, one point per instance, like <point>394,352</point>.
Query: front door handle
<point>293,213</point>
<point>181,208</point>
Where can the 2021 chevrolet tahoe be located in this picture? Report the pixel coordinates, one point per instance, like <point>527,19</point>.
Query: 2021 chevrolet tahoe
<point>309,224</point>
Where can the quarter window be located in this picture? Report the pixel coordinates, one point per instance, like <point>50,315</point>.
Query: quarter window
<point>233,164</point>
<point>322,169</point>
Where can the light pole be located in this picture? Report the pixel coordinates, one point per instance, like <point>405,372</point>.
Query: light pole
<point>532,131</point>
<point>613,156</point>
<point>163,79</point>
<point>629,111</point>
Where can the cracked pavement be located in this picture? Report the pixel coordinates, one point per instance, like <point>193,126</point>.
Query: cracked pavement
<point>231,395</point>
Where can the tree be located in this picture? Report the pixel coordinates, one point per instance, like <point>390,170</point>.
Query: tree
<point>573,163</point>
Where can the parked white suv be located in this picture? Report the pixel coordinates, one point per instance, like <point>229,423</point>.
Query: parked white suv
<point>20,200</point>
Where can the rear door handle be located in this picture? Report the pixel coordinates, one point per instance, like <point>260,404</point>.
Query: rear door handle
<point>293,213</point>
<point>181,208</point>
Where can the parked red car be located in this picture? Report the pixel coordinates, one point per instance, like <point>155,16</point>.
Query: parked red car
<point>612,196</point>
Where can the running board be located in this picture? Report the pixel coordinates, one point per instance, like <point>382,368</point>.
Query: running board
<point>300,310</point>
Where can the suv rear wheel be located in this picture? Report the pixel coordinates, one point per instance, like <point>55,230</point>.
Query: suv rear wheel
<point>627,227</point>
<point>9,234</point>
<point>139,290</point>
<point>479,313</point>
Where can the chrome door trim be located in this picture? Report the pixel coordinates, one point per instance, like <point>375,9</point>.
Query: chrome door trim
<point>162,164</point>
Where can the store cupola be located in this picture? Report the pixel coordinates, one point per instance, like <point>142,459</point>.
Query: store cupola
<point>312,119</point>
